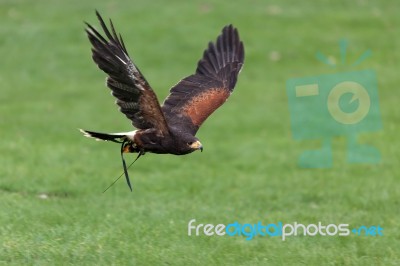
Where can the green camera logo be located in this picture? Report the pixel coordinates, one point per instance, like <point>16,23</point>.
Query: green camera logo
<point>340,104</point>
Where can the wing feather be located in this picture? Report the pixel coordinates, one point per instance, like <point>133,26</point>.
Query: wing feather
<point>196,97</point>
<point>135,97</point>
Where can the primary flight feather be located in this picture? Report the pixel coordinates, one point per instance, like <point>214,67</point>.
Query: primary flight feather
<point>170,128</point>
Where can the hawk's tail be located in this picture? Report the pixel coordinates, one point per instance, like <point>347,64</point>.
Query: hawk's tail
<point>115,137</point>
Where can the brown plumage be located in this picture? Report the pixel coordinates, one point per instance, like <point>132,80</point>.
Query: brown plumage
<point>170,128</point>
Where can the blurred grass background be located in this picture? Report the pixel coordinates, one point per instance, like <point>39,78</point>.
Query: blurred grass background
<point>52,211</point>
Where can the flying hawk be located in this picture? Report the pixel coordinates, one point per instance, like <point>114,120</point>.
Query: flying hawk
<point>169,128</point>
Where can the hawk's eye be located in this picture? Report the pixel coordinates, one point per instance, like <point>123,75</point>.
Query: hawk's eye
<point>189,143</point>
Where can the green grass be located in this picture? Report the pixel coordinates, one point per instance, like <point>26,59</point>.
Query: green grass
<point>248,171</point>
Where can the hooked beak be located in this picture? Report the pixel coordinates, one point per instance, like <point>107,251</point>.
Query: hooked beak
<point>197,146</point>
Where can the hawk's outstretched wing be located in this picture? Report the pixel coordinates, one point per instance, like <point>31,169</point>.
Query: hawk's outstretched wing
<point>134,95</point>
<point>196,97</point>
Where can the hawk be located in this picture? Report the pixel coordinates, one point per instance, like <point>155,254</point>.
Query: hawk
<point>169,128</point>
